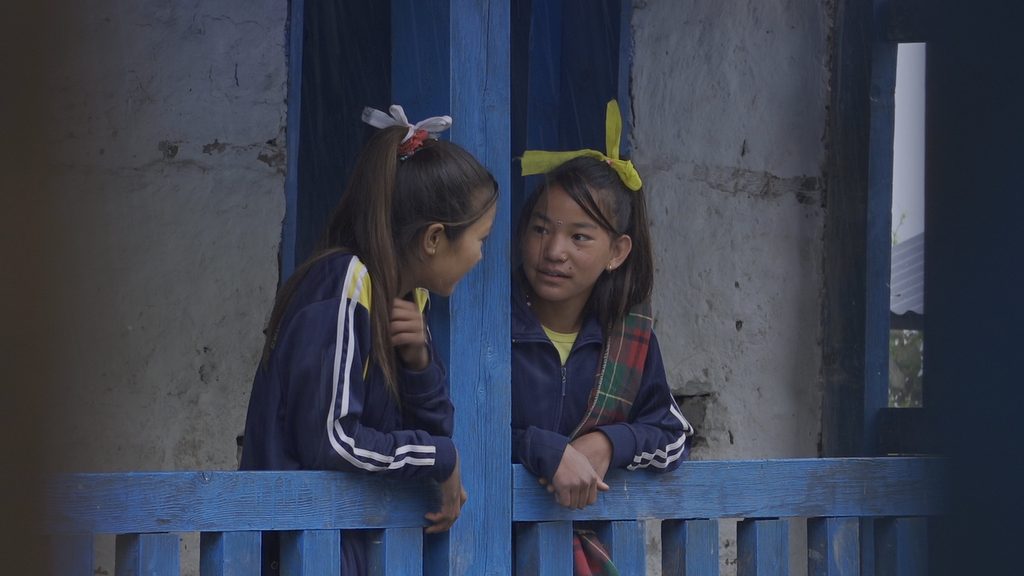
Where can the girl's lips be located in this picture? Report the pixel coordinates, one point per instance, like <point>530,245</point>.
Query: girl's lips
<point>553,273</point>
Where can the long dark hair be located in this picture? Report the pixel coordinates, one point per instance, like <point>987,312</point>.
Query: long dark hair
<point>599,191</point>
<point>387,204</point>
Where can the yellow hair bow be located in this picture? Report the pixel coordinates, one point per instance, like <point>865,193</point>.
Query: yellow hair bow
<point>540,162</point>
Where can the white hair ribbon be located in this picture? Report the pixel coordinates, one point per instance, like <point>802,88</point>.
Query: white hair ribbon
<point>433,125</point>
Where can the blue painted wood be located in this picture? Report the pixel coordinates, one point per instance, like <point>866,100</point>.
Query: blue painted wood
<point>689,547</point>
<point>626,543</point>
<point>544,548</point>
<point>479,366</point>
<point>879,239</point>
<point>867,546</point>
<point>71,554</point>
<point>833,547</point>
<point>224,501</point>
<point>762,548</point>
<point>767,488</point>
<point>395,551</point>
<point>147,555</point>
<point>289,227</point>
<point>845,238</point>
<point>229,553</point>
<point>901,547</point>
<point>311,553</point>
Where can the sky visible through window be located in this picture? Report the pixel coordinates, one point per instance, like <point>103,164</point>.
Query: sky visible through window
<point>908,143</point>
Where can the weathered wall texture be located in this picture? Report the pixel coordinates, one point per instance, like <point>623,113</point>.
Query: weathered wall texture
<point>170,156</point>
<point>729,103</point>
<point>729,108</point>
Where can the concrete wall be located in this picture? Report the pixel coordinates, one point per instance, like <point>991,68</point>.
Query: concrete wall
<point>168,150</point>
<point>729,119</point>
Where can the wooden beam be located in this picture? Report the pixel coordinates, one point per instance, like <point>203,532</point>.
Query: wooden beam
<point>752,489</point>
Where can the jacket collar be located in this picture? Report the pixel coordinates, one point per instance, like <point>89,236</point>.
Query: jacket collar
<point>526,326</point>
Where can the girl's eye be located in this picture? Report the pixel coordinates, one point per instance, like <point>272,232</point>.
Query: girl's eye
<point>538,229</point>
<point>580,237</point>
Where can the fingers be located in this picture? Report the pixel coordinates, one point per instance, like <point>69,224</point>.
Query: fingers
<point>406,320</point>
<point>439,522</point>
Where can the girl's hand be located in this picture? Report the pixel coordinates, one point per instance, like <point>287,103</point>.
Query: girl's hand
<point>597,449</point>
<point>576,483</point>
<point>453,497</point>
<point>409,335</point>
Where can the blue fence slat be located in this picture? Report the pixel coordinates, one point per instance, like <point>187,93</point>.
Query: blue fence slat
<point>311,553</point>
<point>229,553</point>
<point>762,548</point>
<point>544,548</point>
<point>396,551</point>
<point>689,547</point>
<point>833,547</point>
<point>755,489</point>
<point>626,542</point>
<point>147,555</point>
<point>901,547</point>
<point>71,554</point>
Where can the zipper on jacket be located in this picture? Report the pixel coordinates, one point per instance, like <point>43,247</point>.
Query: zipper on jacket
<point>561,402</point>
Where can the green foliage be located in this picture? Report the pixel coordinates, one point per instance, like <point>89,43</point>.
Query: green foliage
<point>906,350</point>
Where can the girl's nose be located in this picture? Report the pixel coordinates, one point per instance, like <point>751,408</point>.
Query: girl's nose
<point>555,250</point>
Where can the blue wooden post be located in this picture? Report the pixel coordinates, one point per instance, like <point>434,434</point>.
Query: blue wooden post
<point>229,553</point>
<point>689,547</point>
<point>901,547</point>
<point>480,366</point>
<point>464,44</point>
<point>289,228</point>
<point>311,553</point>
<point>879,237</point>
<point>396,551</point>
<point>147,555</point>
<point>544,548</point>
<point>626,543</point>
<point>762,548</point>
<point>71,555</point>
<point>833,547</point>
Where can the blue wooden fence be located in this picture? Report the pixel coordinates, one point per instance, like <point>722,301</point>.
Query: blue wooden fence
<point>313,510</point>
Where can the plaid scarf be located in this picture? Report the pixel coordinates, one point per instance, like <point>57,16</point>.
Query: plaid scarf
<point>615,389</point>
<point>622,369</point>
<point>589,558</point>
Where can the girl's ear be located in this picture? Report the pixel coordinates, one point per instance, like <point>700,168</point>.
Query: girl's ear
<point>432,238</point>
<point>621,248</point>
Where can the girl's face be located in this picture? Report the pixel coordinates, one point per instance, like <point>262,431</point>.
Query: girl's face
<point>565,251</point>
<point>447,261</point>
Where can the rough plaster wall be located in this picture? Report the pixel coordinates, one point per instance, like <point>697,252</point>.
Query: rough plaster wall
<point>729,108</point>
<point>170,156</point>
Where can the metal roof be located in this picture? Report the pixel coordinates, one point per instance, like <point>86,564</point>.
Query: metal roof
<point>906,276</point>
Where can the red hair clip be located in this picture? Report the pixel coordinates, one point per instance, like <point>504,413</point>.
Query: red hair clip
<point>414,143</point>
